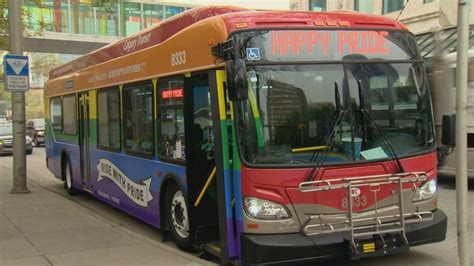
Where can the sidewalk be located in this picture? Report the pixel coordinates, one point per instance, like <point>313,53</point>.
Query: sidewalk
<point>44,228</point>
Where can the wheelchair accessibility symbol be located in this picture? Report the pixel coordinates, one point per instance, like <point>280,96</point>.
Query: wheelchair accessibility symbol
<point>253,54</point>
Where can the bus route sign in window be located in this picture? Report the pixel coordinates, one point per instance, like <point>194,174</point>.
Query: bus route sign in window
<point>329,45</point>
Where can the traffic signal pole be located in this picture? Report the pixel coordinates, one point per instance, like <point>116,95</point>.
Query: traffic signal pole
<point>462,209</point>
<point>18,103</point>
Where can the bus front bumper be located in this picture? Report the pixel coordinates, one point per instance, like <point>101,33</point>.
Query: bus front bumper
<point>297,248</point>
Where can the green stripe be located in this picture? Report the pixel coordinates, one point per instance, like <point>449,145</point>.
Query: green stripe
<point>225,145</point>
<point>256,116</point>
<point>235,157</point>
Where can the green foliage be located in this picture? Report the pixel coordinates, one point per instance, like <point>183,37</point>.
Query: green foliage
<point>34,104</point>
<point>107,4</point>
<point>5,100</point>
<point>42,63</point>
<point>3,25</point>
<point>4,44</point>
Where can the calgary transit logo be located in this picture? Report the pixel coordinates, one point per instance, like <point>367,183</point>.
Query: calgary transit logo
<point>355,192</point>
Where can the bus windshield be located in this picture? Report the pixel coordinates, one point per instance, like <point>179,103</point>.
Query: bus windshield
<point>353,109</point>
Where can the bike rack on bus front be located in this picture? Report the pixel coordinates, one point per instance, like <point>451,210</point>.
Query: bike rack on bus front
<point>360,227</point>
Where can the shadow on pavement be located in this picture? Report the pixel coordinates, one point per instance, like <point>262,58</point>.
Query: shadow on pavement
<point>449,182</point>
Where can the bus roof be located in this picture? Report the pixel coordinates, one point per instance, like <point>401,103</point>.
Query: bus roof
<point>235,18</point>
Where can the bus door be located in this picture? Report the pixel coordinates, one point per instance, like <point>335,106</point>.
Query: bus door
<point>200,157</point>
<point>84,136</point>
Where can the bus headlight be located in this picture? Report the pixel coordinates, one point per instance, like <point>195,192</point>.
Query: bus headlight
<point>426,191</point>
<point>264,209</point>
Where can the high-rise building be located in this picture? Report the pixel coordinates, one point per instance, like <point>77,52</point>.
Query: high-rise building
<point>286,104</point>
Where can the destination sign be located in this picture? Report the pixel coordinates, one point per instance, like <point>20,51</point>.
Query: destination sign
<point>328,45</point>
<point>176,93</point>
<point>361,42</point>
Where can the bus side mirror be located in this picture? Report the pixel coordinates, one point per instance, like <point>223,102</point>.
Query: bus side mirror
<point>237,80</point>
<point>448,132</point>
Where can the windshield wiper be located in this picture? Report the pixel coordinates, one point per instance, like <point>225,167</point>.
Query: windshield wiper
<point>329,138</point>
<point>364,111</point>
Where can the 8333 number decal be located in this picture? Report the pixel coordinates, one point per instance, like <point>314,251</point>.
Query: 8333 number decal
<point>178,58</point>
<point>359,201</point>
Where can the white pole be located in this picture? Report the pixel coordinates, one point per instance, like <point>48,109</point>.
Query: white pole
<point>464,7</point>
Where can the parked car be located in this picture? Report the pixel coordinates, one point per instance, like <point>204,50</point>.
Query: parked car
<point>35,130</point>
<point>6,140</point>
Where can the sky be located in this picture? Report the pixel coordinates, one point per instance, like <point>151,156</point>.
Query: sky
<point>264,4</point>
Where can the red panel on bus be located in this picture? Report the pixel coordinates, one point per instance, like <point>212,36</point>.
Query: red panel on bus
<point>258,182</point>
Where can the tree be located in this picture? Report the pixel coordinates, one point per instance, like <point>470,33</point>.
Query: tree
<point>3,25</point>
<point>42,63</point>
<point>5,100</point>
<point>27,30</point>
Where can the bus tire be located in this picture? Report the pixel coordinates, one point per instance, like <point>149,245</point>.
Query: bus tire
<point>67,172</point>
<point>177,217</point>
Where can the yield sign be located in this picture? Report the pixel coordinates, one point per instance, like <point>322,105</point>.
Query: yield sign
<point>17,64</point>
<point>17,73</point>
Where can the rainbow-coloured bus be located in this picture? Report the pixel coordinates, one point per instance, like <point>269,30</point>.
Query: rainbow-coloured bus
<point>262,137</point>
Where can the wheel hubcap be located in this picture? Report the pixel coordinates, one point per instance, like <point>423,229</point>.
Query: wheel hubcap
<point>179,215</point>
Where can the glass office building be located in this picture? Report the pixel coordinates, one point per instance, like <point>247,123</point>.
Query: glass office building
<point>117,18</point>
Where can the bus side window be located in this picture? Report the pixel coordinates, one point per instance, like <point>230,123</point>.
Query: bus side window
<point>56,114</point>
<point>171,141</point>
<point>138,118</point>
<point>108,119</point>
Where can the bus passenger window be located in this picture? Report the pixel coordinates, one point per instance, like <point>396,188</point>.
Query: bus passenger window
<point>171,141</point>
<point>56,114</point>
<point>108,118</point>
<point>70,115</point>
<point>138,118</point>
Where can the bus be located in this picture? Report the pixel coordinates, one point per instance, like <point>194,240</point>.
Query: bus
<point>262,137</point>
<point>443,78</point>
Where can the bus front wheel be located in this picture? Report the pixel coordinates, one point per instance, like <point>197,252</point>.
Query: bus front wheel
<point>177,217</point>
<point>67,171</point>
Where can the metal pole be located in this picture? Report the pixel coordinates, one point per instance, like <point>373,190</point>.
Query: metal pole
<point>461,131</point>
<point>18,103</point>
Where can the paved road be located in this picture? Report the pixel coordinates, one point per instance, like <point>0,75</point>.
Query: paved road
<point>443,253</point>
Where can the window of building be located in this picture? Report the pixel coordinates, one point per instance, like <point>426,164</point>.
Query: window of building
<point>389,6</point>
<point>108,119</point>
<point>171,119</point>
<point>56,113</point>
<point>364,6</point>
<point>46,15</point>
<point>138,118</point>
<point>470,140</point>
<point>82,17</point>
<point>152,14</point>
<point>107,22</point>
<point>131,18</point>
<point>317,5</point>
<point>427,1</point>
<point>69,115</point>
<point>173,10</point>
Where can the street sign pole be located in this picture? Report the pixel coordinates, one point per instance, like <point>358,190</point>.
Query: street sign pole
<point>18,103</point>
